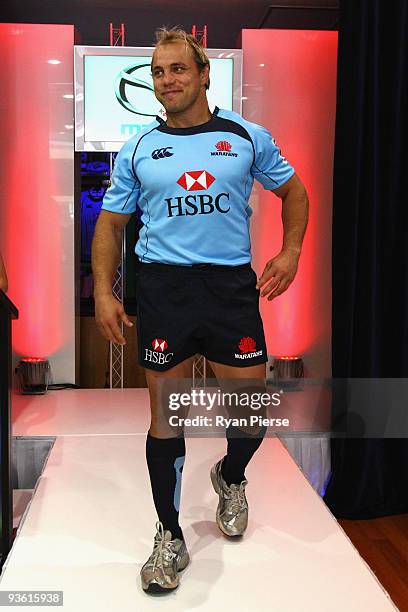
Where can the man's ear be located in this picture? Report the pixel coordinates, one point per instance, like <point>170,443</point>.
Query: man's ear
<point>204,75</point>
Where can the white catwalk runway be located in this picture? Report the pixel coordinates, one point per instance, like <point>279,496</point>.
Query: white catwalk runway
<point>90,524</point>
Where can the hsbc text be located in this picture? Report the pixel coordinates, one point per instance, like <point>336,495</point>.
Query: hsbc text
<point>156,357</point>
<point>202,204</point>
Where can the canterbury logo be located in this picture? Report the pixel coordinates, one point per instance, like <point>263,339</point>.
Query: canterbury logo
<point>161,153</point>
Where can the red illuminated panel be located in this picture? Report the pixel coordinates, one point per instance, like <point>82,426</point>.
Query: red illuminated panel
<point>36,229</point>
<point>290,88</point>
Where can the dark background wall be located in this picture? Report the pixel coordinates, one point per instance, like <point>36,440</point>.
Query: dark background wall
<point>225,18</point>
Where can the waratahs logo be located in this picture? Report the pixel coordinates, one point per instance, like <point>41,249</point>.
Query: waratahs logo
<point>224,148</point>
<point>247,346</point>
<point>134,90</point>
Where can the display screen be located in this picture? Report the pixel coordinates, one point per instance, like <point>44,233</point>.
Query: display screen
<point>119,98</point>
<point>114,96</point>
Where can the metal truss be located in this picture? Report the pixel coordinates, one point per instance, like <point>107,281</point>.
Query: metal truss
<point>200,35</point>
<point>199,372</point>
<point>117,35</point>
<point>117,38</point>
<point>116,350</point>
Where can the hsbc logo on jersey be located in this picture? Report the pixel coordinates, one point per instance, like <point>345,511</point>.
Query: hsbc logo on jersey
<point>247,346</point>
<point>224,148</point>
<point>200,204</point>
<point>196,180</point>
<point>157,355</point>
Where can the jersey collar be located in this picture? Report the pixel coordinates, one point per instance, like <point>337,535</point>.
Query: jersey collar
<point>195,129</point>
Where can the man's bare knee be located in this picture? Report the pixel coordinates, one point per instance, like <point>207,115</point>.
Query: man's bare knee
<point>161,386</point>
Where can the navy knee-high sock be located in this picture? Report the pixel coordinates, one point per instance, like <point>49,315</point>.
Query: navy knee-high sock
<point>240,449</point>
<point>165,460</point>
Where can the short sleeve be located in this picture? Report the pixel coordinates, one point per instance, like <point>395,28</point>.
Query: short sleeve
<point>270,168</point>
<point>123,193</point>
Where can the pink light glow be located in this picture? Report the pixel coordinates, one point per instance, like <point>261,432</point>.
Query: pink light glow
<point>32,213</point>
<point>290,78</point>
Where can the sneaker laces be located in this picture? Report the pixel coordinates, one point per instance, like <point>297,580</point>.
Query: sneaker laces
<point>236,497</point>
<point>162,550</point>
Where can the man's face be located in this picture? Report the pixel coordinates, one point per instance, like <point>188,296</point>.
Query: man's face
<point>178,83</point>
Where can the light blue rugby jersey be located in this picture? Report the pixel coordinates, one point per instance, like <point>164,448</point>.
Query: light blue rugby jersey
<point>192,185</point>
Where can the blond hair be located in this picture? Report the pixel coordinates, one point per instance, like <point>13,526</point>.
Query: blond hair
<point>165,36</point>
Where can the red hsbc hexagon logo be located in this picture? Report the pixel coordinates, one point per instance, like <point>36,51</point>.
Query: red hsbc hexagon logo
<point>159,345</point>
<point>194,180</point>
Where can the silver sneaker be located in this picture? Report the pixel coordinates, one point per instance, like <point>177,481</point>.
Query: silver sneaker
<point>232,510</point>
<point>159,573</point>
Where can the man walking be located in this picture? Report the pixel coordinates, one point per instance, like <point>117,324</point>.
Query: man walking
<point>191,176</point>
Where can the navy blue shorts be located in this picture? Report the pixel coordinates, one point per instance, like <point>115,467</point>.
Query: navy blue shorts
<point>207,309</point>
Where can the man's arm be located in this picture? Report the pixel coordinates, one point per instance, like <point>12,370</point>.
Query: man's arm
<point>106,254</point>
<point>3,276</point>
<point>107,250</point>
<point>281,270</point>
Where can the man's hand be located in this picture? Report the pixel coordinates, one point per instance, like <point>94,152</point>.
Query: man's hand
<point>280,271</point>
<point>108,312</point>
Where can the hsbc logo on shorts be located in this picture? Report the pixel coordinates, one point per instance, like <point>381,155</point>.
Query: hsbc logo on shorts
<point>159,345</point>
<point>157,355</point>
<point>196,180</point>
<point>200,204</point>
<point>247,346</point>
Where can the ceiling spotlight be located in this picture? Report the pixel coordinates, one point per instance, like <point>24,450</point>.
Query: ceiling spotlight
<point>68,96</point>
<point>54,61</point>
